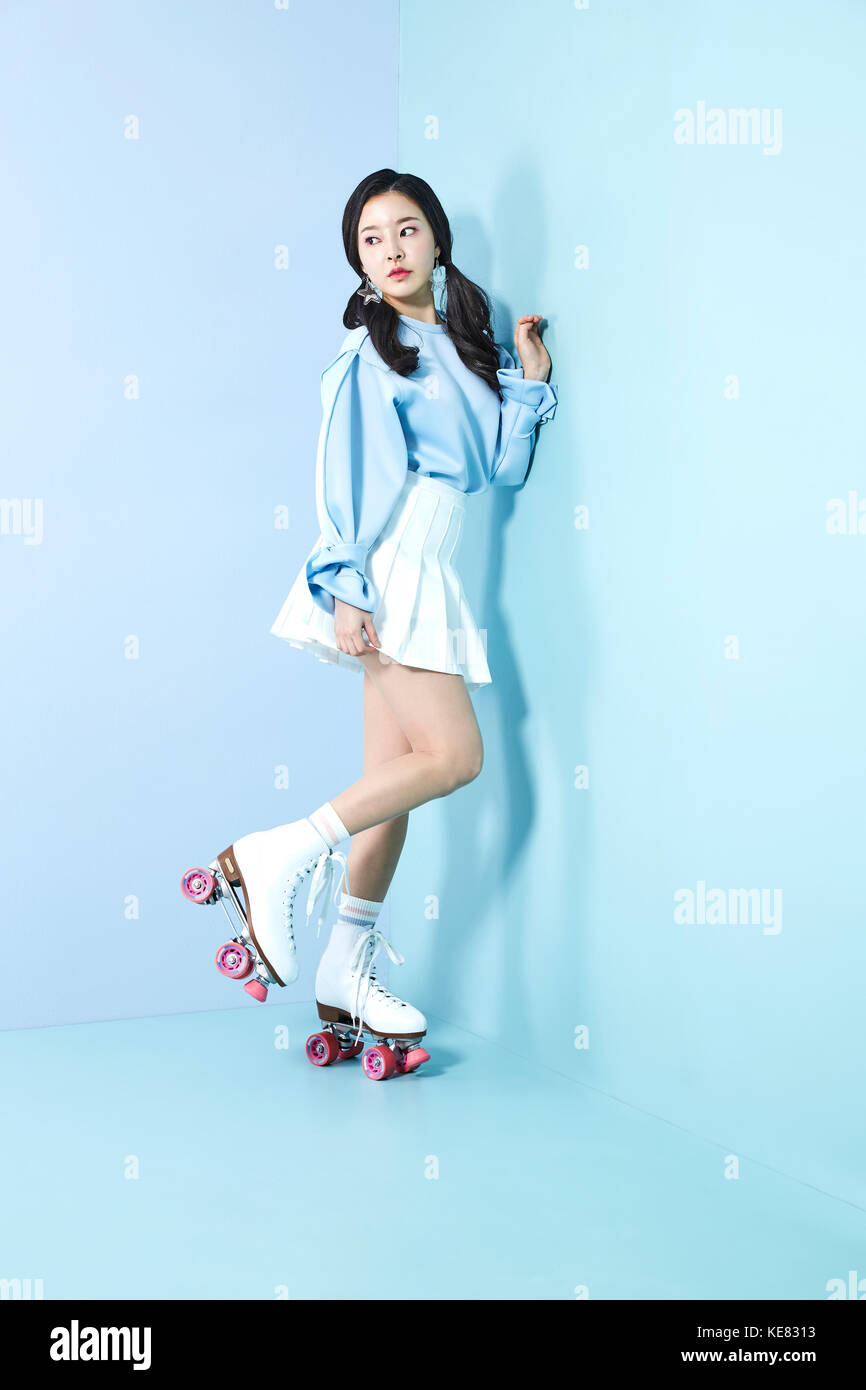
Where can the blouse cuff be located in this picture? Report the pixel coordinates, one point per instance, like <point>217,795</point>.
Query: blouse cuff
<point>540,396</point>
<point>337,571</point>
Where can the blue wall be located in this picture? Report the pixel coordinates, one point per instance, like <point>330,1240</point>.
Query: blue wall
<point>707,500</point>
<point>158,258</point>
<point>706,346</point>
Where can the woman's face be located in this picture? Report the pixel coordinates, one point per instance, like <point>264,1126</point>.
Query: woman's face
<point>394,233</point>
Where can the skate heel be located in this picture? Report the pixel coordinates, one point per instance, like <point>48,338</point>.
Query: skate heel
<point>328,1014</point>
<point>226,862</point>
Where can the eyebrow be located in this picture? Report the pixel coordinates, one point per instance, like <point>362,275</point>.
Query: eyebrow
<point>371,228</point>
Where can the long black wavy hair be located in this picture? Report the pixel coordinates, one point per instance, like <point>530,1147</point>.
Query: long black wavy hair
<point>467,307</point>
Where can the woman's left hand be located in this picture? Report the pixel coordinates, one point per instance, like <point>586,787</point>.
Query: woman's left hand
<point>530,349</point>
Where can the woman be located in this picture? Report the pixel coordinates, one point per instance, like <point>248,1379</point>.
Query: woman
<point>420,410</point>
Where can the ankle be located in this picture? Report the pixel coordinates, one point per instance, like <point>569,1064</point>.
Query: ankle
<point>328,824</point>
<point>356,917</point>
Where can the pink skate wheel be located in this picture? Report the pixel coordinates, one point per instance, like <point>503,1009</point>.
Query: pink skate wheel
<point>258,989</point>
<point>322,1049</point>
<point>234,960</point>
<point>379,1062</point>
<point>346,1053</point>
<point>197,885</point>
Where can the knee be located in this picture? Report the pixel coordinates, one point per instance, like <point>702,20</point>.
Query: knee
<point>461,766</point>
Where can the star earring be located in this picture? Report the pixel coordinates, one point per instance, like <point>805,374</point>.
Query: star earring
<point>368,291</point>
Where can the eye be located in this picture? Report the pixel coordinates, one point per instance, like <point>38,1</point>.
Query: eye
<point>371,238</point>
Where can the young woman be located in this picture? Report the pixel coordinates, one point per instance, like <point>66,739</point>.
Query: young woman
<point>421,410</point>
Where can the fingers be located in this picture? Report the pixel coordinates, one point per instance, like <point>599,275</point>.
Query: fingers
<point>348,642</point>
<point>351,639</point>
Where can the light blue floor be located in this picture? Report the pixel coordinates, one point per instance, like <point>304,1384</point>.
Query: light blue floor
<point>260,1173</point>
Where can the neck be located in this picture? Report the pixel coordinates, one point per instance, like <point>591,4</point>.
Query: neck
<point>424,310</point>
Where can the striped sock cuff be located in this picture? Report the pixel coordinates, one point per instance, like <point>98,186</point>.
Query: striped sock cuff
<point>329,825</point>
<point>358,912</point>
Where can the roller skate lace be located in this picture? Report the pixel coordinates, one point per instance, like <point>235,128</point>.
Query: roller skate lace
<point>324,871</point>
<point>366,949</point>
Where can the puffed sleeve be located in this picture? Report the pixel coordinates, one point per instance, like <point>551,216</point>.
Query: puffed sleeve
<point>361,465</point>
<point>525,405</point>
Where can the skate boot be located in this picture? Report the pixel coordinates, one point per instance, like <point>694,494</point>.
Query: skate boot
<point>351,1001</point>
<point>269,867</point>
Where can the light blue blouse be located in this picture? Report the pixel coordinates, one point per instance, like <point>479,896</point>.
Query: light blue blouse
<point>443,420</point>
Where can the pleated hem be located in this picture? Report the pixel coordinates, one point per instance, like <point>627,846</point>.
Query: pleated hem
<point>334,657</point>
<point>423,618</point>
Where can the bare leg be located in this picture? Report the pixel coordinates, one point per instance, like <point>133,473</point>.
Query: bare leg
<point>435,713</point>
<point>374,852</point>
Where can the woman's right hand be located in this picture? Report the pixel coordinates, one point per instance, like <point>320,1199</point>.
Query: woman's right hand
<point>350,624</point>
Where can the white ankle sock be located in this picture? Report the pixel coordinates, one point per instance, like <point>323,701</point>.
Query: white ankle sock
<point>329,825</point>
<point>356,914</point>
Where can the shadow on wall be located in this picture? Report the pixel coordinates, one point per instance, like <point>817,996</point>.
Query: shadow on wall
<point>480,868</point>
<point>529,914</point>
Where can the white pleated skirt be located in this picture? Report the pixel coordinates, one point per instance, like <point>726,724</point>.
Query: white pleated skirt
<point>423,618</point>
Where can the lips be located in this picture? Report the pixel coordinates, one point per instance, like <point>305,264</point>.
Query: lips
<point>398,274</point>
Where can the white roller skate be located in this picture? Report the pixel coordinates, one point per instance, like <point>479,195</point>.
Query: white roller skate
<point>351,1001</point>
<point>269,866</point>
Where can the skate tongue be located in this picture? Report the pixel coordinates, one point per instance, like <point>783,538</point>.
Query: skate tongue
<point>321,886</point>
<point>366,949</point>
